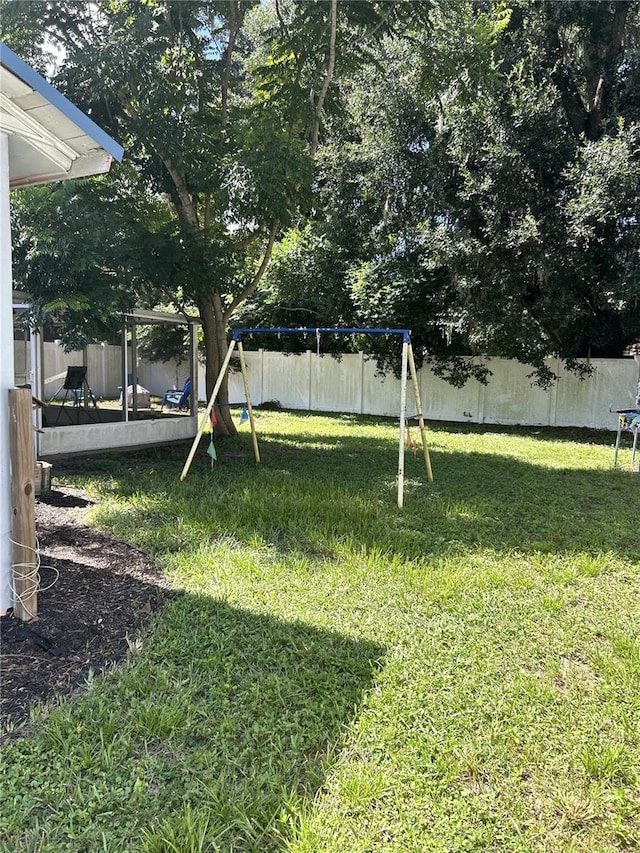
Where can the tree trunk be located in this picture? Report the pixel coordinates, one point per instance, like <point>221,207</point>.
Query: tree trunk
<point>213,313</point>
<point>330,68</point>
<point>216,346</point>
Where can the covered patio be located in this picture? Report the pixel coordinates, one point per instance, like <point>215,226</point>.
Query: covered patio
<point>72,429</point>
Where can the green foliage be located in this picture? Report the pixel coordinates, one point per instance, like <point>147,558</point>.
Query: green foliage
<point>476,178</point>
<point>81,248</point>
<point>530,288</point>
<point>477,192</point>
<point>159,343</point>
<point>310,256</point>
<point>219,106</point>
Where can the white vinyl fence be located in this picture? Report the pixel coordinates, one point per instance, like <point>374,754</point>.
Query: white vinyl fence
<point>351,384</point>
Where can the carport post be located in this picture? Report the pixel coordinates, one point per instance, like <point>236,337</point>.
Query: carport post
<point>7,379</point>
<point>23,464</point>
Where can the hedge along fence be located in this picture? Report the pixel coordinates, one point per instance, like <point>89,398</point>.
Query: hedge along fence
<point>351,384</point>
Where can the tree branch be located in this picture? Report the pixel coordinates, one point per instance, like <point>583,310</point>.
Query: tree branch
<point>331,64</point>
<point>586,118</point>
<point>605,78</point>
<point>207,211</point>
<point>182,308</point>
<point>255,281</point>
<point>236,17</point>
<point>574,107</point>
<point>283,25</point>
<point>383,20</point>
<point>186,208</point>
<point>247,240</point>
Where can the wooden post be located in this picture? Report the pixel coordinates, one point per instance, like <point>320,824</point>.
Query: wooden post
<point>23,508</point>
<point>423,432</point>
<point>403,415</point>
<point>245,380</point>
<point>134,368</point>
<point>125,371</point>
<point>205,418</point>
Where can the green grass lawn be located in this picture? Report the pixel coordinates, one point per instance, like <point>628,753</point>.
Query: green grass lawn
<point>332,673</point>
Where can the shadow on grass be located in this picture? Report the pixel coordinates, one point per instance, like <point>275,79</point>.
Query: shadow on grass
<point>267,705</point>
<point>581,435</point>
<point>313,489</point>
<point>316,491</point>
<point>222,726</point>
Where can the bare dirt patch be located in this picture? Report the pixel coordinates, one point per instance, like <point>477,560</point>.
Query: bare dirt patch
<point>95,594</point>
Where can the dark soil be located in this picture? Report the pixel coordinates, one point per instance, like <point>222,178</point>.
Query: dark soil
<point>95,593</point>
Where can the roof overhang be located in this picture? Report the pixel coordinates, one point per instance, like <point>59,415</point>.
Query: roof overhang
<point>161,318</point>
<point>50,139</point>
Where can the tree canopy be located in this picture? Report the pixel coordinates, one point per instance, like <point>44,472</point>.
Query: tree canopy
<point>470,170</point>
<point>482,187</point>
<point>220,107</point>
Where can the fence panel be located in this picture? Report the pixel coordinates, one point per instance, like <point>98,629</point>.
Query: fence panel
<point>352,384</point>
<point>512,397</point>
<point>285,380</point>
<point>613,385</point>
<point>336,384</point>
<point>443,402</point>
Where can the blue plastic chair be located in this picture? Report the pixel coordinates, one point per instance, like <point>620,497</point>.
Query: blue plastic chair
<point>176,399</point>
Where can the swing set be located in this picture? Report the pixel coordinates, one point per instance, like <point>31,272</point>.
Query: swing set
<point>408,366</point>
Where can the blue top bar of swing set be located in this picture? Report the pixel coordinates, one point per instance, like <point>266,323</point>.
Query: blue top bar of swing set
<point>312,330</point>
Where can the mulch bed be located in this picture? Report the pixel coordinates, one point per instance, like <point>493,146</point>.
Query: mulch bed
<point>95,594</point>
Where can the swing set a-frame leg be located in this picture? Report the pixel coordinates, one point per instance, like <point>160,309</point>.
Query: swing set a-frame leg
<point>204,420</point>
<point>403,415</point>
<point>423,431</point>
<point>407,357</point>
<point>245,380</point>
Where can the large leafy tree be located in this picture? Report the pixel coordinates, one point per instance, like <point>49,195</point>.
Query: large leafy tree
<point>220,107</point>
<point>379,181</point>
<point>545,238</point>
<point>485,185</point>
